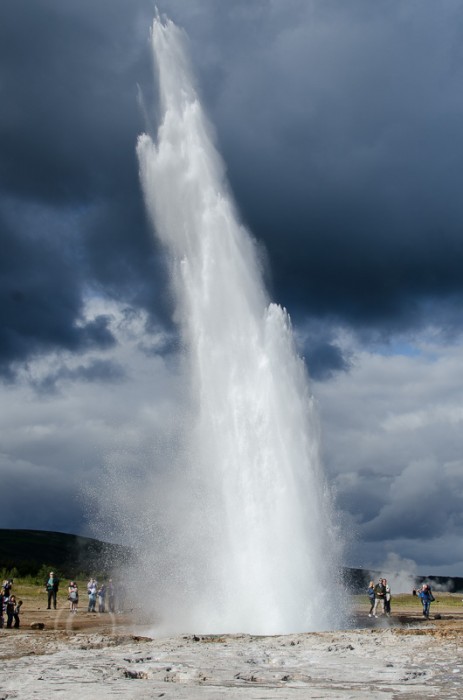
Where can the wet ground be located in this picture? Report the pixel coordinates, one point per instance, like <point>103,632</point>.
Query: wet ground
<point>105,656</point>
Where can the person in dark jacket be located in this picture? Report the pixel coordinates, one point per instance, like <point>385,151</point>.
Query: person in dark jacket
<point>387,598</point>
<point>12,612</point>
<point>380,595</point>
<point>111,596</point>
<point>51,587</point>
<point>2,603</point>
<point>101,598</point>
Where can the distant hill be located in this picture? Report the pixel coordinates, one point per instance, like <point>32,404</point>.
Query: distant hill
<point>28,551</point>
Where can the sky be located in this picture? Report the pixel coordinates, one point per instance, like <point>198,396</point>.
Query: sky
<point>340,124</point>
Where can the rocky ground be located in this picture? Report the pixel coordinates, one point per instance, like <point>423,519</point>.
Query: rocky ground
<point>85,656</point>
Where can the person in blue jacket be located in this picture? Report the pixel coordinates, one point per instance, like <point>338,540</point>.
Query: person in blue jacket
<point>426,596</point>
<point>371,596</point>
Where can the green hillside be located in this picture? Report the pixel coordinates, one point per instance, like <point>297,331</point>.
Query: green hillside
<point>32,551</point>
<point>28,551</point>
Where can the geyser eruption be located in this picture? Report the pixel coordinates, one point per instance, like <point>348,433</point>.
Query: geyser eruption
<point>255,550</point>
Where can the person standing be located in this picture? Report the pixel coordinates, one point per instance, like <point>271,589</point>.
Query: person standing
<point>387,598</point>
<point>2,603</point>
<point>371,596</point>
<point>73,596</point>
<point>12,612</point>
<point>92,587</point>
<point>101,598</point>
<point>426,596</point>
<point>52,586</point>
<point>380,594</point>
<point>111,596</point>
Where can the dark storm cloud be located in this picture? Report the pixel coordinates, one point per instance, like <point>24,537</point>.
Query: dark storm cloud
<point>341,124</point>
<point>68,126</point>
<point>324,359</point>
<point>323,355</point>
<point>69,84</point>
<point>40,303</point>
<point>122,259</point>
<point>52,507</point>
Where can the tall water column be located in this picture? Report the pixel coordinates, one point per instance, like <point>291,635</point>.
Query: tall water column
<point>258,521</point>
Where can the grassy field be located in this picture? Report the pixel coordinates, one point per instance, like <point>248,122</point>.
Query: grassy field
<point>27,590</point>
<point>34,596</point>
<point>406,601</point>
<point>406,610</point>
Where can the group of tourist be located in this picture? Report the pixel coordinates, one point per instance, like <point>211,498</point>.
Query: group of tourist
<point>100,593</point>
<point>379,595</point>
<point>95,593</point>
<point>9,606</point>
<point>380,598</point>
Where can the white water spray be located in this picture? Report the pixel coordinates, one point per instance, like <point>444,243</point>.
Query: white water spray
<point>256,547</point>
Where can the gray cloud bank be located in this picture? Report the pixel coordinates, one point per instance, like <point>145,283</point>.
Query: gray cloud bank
<point>341,128</point>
